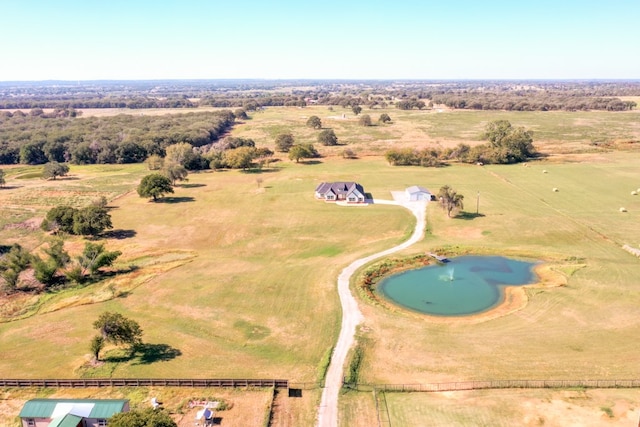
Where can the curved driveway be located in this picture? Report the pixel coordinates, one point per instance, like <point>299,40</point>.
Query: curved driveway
<point>351,316</point>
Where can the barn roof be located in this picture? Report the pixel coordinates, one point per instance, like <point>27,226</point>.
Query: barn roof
<point>88,408</point>
<point>417,189</point>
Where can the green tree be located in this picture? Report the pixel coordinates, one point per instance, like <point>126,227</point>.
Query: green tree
<point>365,120</point>
<point>142,418</point>
<point>91,221</point>
<point>2,179</point>
<point>60,218</point>
<point>284,142</point>
<point>44,270</point>
<point>95,256</point>
<point>356,109</point>
<point>155,186</point>
<point>241,114</point>
<point>302,151</point>
<point>450,199</point>
<point>314,122</point>
<point>175,172</point>
<point>181,153</point>
<point>52,170</point>
<point>240,158</point>
<point>155,162</point>
<point>384,118</point>
<point>508,144</point>
<point>31,154</point>
<point>117,329</point>
<point>96,346</point>
<point>12,263</point>
<point>327,137</point>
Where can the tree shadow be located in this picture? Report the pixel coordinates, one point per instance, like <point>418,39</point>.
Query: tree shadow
<point>4,249</point>
<point>151,353</point>
<point>119,234</point>
<point>260,171</point>
<point>192,185</point>
<point>467,216</point>
<point>311,162</point>
<point>143,354</point>
<point>8,187</point>
<point>180,199</point>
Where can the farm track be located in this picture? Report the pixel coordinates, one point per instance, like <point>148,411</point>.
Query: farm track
<point>352,317</point>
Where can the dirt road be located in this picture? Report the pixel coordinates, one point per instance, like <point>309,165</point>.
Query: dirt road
<point>352,317</point>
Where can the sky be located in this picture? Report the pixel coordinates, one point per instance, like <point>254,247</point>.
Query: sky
<point>322,39</point>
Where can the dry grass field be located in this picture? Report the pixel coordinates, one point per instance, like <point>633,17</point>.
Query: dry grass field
<point>235,273</point>
<point>573,407</point>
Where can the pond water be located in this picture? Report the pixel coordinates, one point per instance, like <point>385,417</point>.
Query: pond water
<point>465,285</point>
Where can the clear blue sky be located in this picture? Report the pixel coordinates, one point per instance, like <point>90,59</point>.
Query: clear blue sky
<point>324,39</point>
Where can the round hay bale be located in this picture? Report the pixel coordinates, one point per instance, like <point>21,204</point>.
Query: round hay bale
<point>544,171</point>
<point>634,193</point>
<point>555,190</point>
<point>623,209</point>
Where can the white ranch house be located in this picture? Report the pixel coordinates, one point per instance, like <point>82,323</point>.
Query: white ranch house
<point>350,192</point>
<point>415,193</point>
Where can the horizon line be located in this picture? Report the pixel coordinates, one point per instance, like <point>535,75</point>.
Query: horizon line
<point>310,79</point>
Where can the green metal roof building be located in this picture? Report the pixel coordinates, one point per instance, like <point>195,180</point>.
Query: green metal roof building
<point>70,412</point>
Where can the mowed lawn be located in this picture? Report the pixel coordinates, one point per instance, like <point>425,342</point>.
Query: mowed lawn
<point>257,295</point>
<point>585,329</point>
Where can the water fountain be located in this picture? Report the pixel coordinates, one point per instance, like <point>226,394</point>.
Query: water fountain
<point>479,285</point>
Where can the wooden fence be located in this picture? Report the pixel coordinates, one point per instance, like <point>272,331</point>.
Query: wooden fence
<point>497,384</point>
<point>286,384</point>
<point>146,382</point>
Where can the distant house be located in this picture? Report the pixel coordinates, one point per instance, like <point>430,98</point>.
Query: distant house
<point>70,412</point>
<point>415,193</point>
<point>351,192</point>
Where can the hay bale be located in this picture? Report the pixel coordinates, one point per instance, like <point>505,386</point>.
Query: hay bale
<point>623,209</point>
<point>555,190</point>
<point>544,171</point>
<point>634,193</point>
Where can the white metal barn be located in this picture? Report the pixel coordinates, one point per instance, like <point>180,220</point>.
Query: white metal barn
<point>415,193</point>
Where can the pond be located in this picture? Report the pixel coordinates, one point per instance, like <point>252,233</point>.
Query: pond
<point>463,286</point>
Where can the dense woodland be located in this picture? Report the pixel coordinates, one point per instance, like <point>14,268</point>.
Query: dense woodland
<point>38,138</point>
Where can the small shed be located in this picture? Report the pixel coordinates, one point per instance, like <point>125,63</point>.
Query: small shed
<point>415,193</point>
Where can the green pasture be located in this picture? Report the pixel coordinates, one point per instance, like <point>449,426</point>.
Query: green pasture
<point>234,275</point>
<point>564,131</point>
<point>256,300</point>
<point>585,329</point>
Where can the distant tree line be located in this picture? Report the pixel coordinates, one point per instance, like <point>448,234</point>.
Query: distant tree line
<point>108,102</point>
<point>36,139</point>
<point>489,95</point>
<point>530,101</point>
